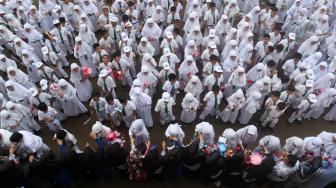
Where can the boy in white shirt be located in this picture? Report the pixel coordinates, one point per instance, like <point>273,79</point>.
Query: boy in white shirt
<point>216,78</point>
<point>273,114</point>
<point>172,16</point>
<point>98,54</point>
<point>47,115</point>
<point>211,17</point>
<point>106,42</point>
<point>106,83</point>
<point>172,85</point>
<point>165,107</point>
<point>212,100</point>
<point>129,56</point>
<point>112,110</point>
<point>122,65</point>
<point>165,72</point>
<point>169,57</point>
<point>98,105</point>
<point>209,67</point>
<point>169,42</point>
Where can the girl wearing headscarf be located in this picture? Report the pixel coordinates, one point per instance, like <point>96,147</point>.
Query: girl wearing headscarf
<point>16,92</point>
<point>145,47</point>
<point>247,40</point>
<point>235,103</point>
<point>81,82</point>
<point>24,114</point>
<point>193,6</point>
<point>77,17</point>
<point>21,45</point>
<point>270,143</point>
<point>158,16</point>
<point>313,59</point>
<point>222,29</point>
<point>148,79</point>
<point>195,35</point>
<point>85,20</point>
<point>12,122</point>
<point>87,35</point>
<point>191,22</point>
<point>309,46</point>
<point>231,10</point>
<point>246,55</point>
<point>186,70</point>
<point>189,105</point>
<point>100,130</point>
<point>191,49</point>
<point>70,102</point>
<point>18,76</point>
<point>150,62</point>
<point>247,136</point>
<point>207,131</point>
<point>143,104</point>
<point>91,11</point>
<point>326,81</point>
<point>37,19</point>
<point>232,45</point>
<point>138,133</point>
<point>84,53</point>
<point>229,64</point>
<point>46,9</point>
<point>14,24</point>
<point>28,60</point>
<point>294,146</point>
<point>313,145</point>
<point>320,69</point>
<point>35,39</point>
<point>194,86</point>
<point>236,81</point>
<point>153,33</point>
<point>175,132</point>
<point>251,106</point>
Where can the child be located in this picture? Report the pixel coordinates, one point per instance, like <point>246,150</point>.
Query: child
<point>208,69</point>
<point>98,104</point>
<point>288,96</point>
<point>123,66</point>
<point>127,111</point>
<point>267,55</point>
<point>98,54</point>
<point>129,56</point>
<point>214,79</point>
<point>106,83</point>
<point>273,114</point>
<point>111,110</point>
<point>271,101</point>
<point>303,108</point>
<point>46,72</point>
<point>53,60</point>
<point>235,103</point>
<point>212,100</point>
<point>169,57</point>
<point>189,105</point>
<point>172,16</point>
<point>165,107</point>
<point>251,106</point>
<point>165,72</point>
<point>172,85</point>
<point>106,42</point>
<point>48,115</point>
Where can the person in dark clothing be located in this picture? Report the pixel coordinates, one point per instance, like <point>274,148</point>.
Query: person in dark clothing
<point>191,157</point>
<point>153,163</point>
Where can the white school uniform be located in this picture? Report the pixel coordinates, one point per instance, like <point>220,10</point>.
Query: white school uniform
<point>99,107</point>
<point>272,117</point>
<point>107,85</point>
<point>171,88</point>
<point>112,114</point>
<point>235,103</point>
<point>62,40</point>
<point>143,103</point>
<point>189,106</point>
<point>123,66</point>
<point>165,107</point>
<point>127,112</point>
<point>211,107</point>
<point>54,125</point>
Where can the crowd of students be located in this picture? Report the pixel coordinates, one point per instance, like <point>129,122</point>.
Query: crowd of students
<point>225,59</point>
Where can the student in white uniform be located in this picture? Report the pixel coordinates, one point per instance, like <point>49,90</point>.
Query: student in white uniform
<point>165,72</point>
<point>112,110</point>
<point>27,144</point>
<point>35,39</point>
<point>235,103</point>
<point>169,42</point>
<point>149,79</point>
<point>165,107</point>
<point>54,61</point>
<point>270,143</point>
<point>189,108</point>
<point>313,145</point>
<point>69,100</point>
<point>216,78</point>
<point>138,133</point>
<point>247,136</point>
<point>106,83</point>
<point>129,56</point>
<point>212,100</point>
<point>169,57</point>
<point>303,108</point>
<point>127,111</point>
<point>194,87</point>
<point>62,37</point>
<point>11,121</point>
<point>171,86</point>
<point>98,54</point>
<point>251,106</point>
<point>84,53</point>
<point>16,75</point>
<point>143,103</point>
<point>48,116</point>
<point>122,65</point>
<point>294,146</point>
<point>16,92</point>
<point>152,32</point>
<point>175,132</point>
<point>292,64</point>
<point>81,82</point>
<point>4,138</point>
<point>24,114</point>
<point>209,67</point>
<point>46,72</point>
<point>273,114</point>
<point>98,104</point>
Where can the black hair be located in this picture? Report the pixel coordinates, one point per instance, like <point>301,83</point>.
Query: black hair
<point>122,99</point>
<point>212,4</point>
<point>95,94</point>
<point>266,35</point>
<point>116,54</point>
<point>95,45</point>
<point>125,17</point>
<point>42,106</point>
<point>172,9</point>
<point>213,58</point>
<point>279,47</point>
<point>270,48</point>
<point>109,97</point>
<point>284,79</point>
<point>16,137</point>
<point>62,20</point>
<point>292,159</point>
<point>297,56</point>
<point>276,93</point>
<point>215,88</point>
<point>271,63</point>
<point>176,30</point>
<point>61,134</point>
<point>274,9</point>
<point>291,88</point>
<point>172,77</point>
<point>281,105</point>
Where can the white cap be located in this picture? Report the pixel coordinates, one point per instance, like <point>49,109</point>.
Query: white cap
<point>218,69</point>
<point>144,68</point>
<point>126,49</point>
<point>169,35</point>
<point>123,36</point>
<point>212,44</point>
<point>165,66</point>
<point>292,36</point>
<point>4,113</point>
<point>45,50</point>
<point>56,21</point>
<point>312,98</point>
<point>78,39</point>
<point>309,83</point>
<point>33,91</point>
<point>62,82</point>
<point>310,74</point>
<point>166,96</point>
<point>38,64</point>
<point>2,56</point>
<point>44,84</point>
<point>212,33</point>
<point>103,73</point>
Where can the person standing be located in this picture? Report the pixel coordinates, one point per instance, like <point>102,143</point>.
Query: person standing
<point>143,103</point>
<point>189,108</point>
<point>165,107</point>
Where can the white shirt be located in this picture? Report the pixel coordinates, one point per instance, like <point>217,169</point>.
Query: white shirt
<point>101,104</point>
<point>210,98</point>
<point>161,105</point>
<point>50,114</point>
<point>168,87</point>
<point>109,83</point>
<point>129,108</point>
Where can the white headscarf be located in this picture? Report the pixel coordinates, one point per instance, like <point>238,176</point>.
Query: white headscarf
<point>139,98</point>
<point>138,129</point>
<point>230,137</point>
<point>20,77</point>
<point>75,77</point>
<point>222,27</point>
<point>313,59</point>
<point>81,50</point>
<point>33,35</point>
<point>236,100</point>
<point>154,31</point>
<point>314,145</point>
<point>19,92</point>
<point>174,130</point>
<point>9,119</point>
<point>246,53</point>
<point>189,102</point>
<point>100,129</point>
<point>207,130</point>
<point>194,89</point>
<point>189,25</point>
<point>253,102</point>
<point>185,68</point>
